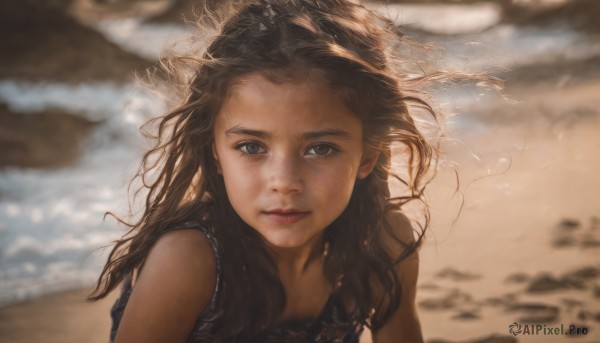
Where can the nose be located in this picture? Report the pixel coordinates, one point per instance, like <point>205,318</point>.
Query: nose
<point>285,174</point>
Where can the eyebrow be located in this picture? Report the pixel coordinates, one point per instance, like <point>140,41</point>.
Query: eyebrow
<point>237,130</point>
<point>323,133</point>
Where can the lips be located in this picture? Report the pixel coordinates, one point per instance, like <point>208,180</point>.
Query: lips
<point>286,216</point>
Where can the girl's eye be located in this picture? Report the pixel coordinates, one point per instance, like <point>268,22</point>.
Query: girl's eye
<point>322,150</point>
<point>251,148</point>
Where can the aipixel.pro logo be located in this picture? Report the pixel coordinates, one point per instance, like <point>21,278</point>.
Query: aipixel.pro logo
<point>546,330</point>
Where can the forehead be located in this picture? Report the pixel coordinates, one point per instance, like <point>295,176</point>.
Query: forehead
<point>256,99</point>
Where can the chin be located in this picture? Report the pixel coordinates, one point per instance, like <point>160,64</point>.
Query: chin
<point>286,241</point>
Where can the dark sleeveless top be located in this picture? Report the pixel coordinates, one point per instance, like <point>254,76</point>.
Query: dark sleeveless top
<point>332,325</point>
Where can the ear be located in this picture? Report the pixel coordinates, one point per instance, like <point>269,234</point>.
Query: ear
<point>216,158</point>
<point>368,162</point>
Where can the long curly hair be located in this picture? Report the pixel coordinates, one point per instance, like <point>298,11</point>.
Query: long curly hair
<point>354,51</point>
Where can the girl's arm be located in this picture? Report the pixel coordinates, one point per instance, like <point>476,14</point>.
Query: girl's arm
<point>175,285</point>
<point>403,326</point>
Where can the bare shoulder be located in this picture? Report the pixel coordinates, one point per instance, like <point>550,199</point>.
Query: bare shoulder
<point>184,256</point>
<point>191,247</point>
<point>175,285</point>
<point>400,235</point>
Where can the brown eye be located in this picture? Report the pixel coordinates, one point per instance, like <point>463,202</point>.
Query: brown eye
<point>322,150</point>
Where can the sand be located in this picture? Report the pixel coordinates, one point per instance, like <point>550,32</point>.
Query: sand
<point>58,318</point>
<point>525,247</point>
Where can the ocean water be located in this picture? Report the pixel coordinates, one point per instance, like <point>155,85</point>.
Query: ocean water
<point>51,222</point>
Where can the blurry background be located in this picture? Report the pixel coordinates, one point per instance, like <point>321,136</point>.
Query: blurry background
<point>524,249</point>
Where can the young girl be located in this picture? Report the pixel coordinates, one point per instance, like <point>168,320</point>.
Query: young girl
<point>270,218</point>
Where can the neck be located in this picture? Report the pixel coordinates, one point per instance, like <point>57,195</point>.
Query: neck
<point>294,262</point>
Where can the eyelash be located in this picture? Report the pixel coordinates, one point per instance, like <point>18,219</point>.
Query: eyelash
<point>333,149</point>
<point>240,145</point>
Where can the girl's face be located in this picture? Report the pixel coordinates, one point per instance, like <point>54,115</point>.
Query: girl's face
<point>289,154</point>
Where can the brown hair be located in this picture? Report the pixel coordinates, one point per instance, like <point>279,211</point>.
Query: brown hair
<point>351,49</point>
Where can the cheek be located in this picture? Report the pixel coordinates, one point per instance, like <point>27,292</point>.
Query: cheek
<point>336,184</point>
<point>238,182</point>
<point>242,186</point>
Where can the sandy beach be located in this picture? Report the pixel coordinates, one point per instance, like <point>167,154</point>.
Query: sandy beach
<point>524,250</point>
<point>63,317</point>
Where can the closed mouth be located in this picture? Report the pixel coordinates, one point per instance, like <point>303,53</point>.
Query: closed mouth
<point>286,211</point>
<point>286,217</point>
